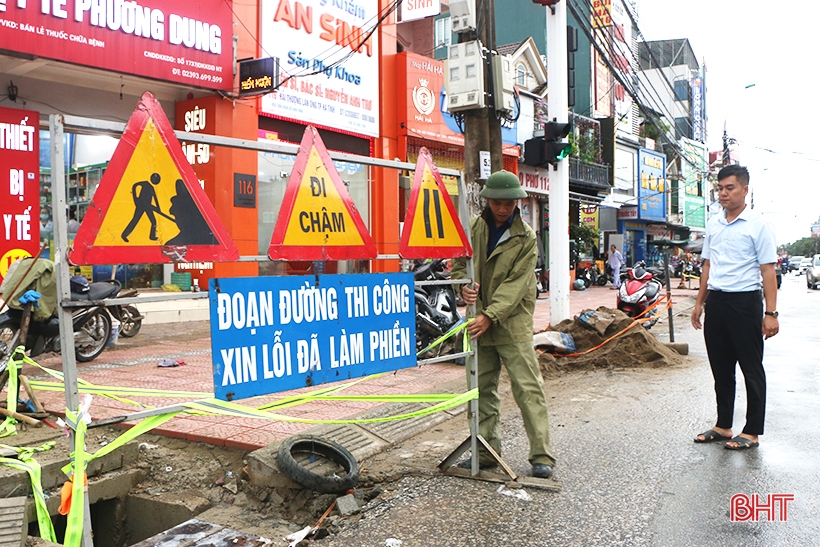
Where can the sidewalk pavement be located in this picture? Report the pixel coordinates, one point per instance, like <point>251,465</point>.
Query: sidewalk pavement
<point>130,366</point>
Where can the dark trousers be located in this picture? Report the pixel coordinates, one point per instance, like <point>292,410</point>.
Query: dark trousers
<point>732,329</point>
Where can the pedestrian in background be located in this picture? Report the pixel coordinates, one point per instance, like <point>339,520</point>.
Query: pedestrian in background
<point>505,252</point>
<point>616,260</point>
<point>739,255</point>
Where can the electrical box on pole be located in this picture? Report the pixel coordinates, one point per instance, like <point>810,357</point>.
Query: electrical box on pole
<point>503,87</point>
<point>464,76</point>
<point>462,16</point>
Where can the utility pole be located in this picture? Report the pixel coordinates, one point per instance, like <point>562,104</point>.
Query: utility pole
<point>557,100</point>
<point>726,155</point>
<point>482,128</point>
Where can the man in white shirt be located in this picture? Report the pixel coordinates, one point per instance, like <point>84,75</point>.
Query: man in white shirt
<point>739,255</point>
<point>616,260</point>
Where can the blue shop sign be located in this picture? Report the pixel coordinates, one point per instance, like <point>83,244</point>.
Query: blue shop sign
<point>272,334</point>
<point>652,185</point>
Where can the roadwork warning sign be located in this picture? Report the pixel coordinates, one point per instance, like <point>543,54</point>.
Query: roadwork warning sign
<point>318,219</point>
<point>431,227</point>
<point>149,207</point>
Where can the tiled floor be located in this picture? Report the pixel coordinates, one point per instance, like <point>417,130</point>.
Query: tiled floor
<point>137,367</point>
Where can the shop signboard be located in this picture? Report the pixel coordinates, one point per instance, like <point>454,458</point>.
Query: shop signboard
<point>410,10</point>
<point>149,207</point>
<point>694,170</point>
<point>19,186</point>
<point>652,185</point>
<point>328,60</point>
<point>173,40</point>
<point>274,333</point>
<point>589,216</point>
<point>534,180</point>
<point>318,219</point>
<point>432,228</point>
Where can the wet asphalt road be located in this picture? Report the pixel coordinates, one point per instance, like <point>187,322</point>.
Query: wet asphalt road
<point>630,472</point>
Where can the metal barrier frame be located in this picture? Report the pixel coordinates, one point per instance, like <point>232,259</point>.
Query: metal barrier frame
<point>58,124</point>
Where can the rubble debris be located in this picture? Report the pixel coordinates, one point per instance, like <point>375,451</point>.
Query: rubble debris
<point>635,348</point>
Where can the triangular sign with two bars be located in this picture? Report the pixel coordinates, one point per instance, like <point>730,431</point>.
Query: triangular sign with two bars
<point>318,219</point>
<point>149,207</point>
<point>431,227</point>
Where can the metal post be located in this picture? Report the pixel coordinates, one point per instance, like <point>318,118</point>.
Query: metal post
<point>668,276</point>
<point>472,360</point>
<point>58,192</point>
<point>559,177</point>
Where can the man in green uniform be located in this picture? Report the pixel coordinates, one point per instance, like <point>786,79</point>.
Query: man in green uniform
<point>504,255</point>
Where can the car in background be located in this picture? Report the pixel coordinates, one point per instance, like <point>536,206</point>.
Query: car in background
<point>794,262</point>
<point>805,264</point>
<point>813,273</point>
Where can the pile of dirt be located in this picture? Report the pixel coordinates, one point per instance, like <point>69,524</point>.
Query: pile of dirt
<point>635,348</point>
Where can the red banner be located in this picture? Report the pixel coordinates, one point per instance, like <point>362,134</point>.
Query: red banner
<point>19,185</point>
<point>174,40</point>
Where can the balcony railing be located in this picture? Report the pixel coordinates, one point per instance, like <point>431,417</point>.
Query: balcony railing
<point>589,173</point>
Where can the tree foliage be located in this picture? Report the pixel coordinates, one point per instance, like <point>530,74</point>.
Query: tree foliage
<point>807,246</point>
<point>585,236</point>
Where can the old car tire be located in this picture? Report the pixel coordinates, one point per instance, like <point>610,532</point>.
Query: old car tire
<point>309,444</point>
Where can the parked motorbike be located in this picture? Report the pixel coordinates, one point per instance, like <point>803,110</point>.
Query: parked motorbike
<point>128,315</point>
<point>91,326</point>
<point>639,291</point>
<point>436,311</point>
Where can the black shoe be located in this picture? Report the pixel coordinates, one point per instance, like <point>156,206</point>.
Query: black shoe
<point>467,464</point>
<point>541,470</point>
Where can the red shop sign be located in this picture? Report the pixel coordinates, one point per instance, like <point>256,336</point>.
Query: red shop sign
<point>19,186</point>
<point>173,40</point>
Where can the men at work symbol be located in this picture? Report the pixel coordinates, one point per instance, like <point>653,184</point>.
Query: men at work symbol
<point>145,203</point>
<point>184,212</point>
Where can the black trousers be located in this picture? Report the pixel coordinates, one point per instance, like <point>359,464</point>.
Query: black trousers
<point>732,329</point>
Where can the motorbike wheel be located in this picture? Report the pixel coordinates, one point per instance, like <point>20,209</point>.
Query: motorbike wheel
<point>94,335</point>
<point>9,334</point>
<point>601,280</point>
<point>129,326</point>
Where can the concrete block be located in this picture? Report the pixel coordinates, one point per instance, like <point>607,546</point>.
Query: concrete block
<point>347,504</point>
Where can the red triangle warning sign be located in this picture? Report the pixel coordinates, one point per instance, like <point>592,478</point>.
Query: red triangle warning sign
<point>149,207</point>
<point>431,227</point>
<point>318,219</point>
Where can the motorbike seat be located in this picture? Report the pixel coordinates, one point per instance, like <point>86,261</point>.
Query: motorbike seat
<point>98,291</point>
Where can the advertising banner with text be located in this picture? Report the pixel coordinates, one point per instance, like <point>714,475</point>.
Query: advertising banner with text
<point>652,186</point>
<point>273,334</point>
<point>19,186</point>
<point>173,40</point>
<point>328,62</point>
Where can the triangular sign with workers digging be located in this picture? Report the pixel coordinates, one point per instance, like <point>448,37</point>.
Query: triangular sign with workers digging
<point>318,219</point>
<point>149,207</point>
<point>431,227</point>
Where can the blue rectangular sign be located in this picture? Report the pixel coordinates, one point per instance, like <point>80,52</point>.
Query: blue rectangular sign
<point>272,334</point>
<point>652,185</point>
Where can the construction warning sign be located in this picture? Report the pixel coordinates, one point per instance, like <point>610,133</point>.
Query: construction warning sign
<point>149,207</point>
<point>318,219</point>
<point>431,227</point>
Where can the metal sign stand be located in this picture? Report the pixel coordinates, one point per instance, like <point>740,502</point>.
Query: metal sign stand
<point>58,189</point>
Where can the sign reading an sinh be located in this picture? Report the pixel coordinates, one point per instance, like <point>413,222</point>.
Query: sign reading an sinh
<point>272,334</point>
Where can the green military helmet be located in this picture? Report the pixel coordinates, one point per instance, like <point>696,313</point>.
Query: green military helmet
<point>503,185</point>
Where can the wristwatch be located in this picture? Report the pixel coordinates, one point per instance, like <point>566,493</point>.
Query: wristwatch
<point>772,313</point>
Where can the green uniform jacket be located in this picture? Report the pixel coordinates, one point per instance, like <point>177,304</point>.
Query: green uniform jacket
<point>507,279</point>
<point>42,278</point>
